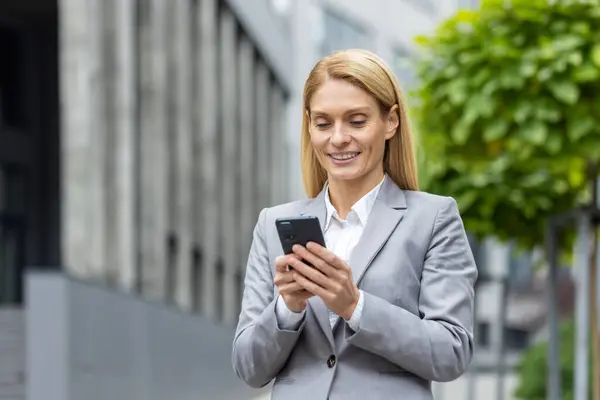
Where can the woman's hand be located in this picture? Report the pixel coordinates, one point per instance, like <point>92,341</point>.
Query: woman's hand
<point>330,278</point>
<point>291,292</point>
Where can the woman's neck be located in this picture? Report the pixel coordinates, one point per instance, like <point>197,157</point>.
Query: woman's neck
<point>345,193</point>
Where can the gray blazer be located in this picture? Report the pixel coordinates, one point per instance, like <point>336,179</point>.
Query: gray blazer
<point>416,269</point>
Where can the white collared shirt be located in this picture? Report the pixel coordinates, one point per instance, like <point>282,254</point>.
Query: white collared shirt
<point>341,237</point>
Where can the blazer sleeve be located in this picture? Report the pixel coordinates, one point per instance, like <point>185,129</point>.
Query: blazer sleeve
<point>436,345</point>
<point>260,347</point>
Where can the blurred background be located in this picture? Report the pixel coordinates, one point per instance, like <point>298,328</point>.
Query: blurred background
<point>139,139</point>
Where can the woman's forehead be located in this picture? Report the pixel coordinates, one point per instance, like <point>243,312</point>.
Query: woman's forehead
<point>340,95</point>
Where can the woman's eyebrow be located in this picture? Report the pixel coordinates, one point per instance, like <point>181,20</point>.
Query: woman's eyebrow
<point>355,110</point>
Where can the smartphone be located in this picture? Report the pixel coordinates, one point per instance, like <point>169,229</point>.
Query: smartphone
<point>298,230</point>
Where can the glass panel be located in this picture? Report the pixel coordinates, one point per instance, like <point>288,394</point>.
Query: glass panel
<point>197,278</point>
<point>11,262</point>
<point>172,260</point>
<point>3,206</point>
<point>13,190</point>
<point>13,208</point>
<point>12,112</point>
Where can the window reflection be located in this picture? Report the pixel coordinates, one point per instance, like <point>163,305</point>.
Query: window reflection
<point>11,92</point>
<point>12,189</point>
<point>12,228</point>
<point>11,260</point>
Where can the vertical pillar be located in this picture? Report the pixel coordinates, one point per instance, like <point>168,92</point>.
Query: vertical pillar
<point>82,137</point>
<point>153,192</point>
<point>126,140</point>
<point>595,332</point>
<point>229,160</point>
<point>109,110</point>
<point>198,202</point>
<point>582,307</point>
<point>277,134</point>
<point>553,380</point>
<point>263,148</point>
<point>184,150</point>
<point>173,245</point>
<point>248,215</point>
<point>207,17</point>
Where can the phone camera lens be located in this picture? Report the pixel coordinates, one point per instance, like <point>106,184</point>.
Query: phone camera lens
<point>291,237</point>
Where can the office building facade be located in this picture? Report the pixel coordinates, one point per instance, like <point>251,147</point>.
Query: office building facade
<point>139,140</point>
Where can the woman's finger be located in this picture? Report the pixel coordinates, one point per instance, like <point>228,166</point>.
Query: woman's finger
<point>326,255</point>
<point>315,261</point>
<point>282,278</point>
<point>282,262</point>
<point>291,288</point>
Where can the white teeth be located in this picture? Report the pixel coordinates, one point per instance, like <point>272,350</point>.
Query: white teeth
<point>346,156</point>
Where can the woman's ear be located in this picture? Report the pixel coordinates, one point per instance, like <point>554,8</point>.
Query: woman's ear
<point>393,120</point>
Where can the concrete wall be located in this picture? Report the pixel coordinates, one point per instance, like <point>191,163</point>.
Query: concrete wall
<point>88,342</point>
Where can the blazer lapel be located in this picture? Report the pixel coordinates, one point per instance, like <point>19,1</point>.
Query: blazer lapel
<point>388,210</point>
<point>316,208</point>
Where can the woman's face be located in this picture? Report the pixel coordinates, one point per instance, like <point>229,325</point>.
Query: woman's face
<point>348,131</point>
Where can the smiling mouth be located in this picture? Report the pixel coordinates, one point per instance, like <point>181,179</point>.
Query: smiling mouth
<point>344,156</point>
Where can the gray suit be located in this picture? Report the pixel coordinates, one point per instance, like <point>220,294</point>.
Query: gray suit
<point>417,272</point>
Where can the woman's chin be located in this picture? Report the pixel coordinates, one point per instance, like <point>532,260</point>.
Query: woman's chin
<point>339,174</point>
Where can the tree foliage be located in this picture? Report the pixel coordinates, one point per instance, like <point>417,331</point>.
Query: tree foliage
<point>508,112</point>
<point>533,367</point>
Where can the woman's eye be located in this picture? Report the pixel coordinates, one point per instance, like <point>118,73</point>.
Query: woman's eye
<point>322,125</point>
<point>358,123</point>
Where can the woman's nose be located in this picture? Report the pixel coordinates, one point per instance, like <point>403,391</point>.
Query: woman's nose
<point>339,137</point>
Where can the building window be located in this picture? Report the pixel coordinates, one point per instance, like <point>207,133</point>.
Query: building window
<point>13,196</point>
<point>12,252</point>
<point>483,334</point>
<point>219,287</point>
<point>12,110</point>
<point>172,261</point>
<point>516,339</point>
<point>239,281</point>
<point>342,34</point>
<point>197,283</point>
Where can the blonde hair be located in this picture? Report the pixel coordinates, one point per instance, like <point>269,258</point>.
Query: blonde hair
<point>370,73</point>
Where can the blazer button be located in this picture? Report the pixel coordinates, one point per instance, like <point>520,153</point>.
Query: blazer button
<point>331,361</point>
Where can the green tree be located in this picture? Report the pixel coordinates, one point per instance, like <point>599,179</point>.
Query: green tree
<point>508,112</point>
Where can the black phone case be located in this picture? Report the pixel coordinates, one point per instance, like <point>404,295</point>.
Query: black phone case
<point>298,230</point>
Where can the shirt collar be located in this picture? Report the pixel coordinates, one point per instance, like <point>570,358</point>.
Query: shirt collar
<point>362,208</point>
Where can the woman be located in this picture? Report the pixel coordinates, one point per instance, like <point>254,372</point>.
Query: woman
<point>387,307</point>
